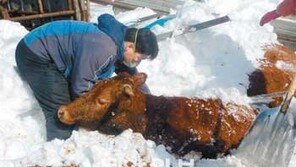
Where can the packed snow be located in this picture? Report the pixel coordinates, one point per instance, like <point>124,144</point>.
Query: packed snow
<point>214,62</point>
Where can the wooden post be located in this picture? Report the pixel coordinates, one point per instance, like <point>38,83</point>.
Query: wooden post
<point>70,7</point>
<point>80,5</point>
<point>77,10</point>
<point>40,5</point>
<point>70,3</point>
<point>84,9</point>
<point>4,12</point>
<point>87,10</point>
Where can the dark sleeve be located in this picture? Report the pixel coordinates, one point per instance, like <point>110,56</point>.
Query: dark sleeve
<point>93,55</point>
<point>120,67</point>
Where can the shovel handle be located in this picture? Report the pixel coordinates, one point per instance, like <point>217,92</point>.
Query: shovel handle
<point>291,92</point>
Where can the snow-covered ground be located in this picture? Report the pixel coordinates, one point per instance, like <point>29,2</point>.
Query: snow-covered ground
<point>209,63</point>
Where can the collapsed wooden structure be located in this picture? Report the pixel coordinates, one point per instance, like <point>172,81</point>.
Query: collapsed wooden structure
<point>33,13</point>
<point>285,28</point>
<point>159,6</point>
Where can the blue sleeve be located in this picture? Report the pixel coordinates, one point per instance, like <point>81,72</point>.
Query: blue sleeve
<point>93,54</point>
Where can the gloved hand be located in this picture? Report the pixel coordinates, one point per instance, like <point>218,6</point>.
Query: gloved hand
<point>269,17</point>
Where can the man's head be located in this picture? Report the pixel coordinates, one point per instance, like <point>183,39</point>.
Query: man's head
<point>139,44</point>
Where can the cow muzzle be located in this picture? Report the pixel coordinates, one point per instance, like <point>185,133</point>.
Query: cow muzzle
<point>64,116</point>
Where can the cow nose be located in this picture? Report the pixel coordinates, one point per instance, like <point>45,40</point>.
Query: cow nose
<point>64,117</point>
<point>61,112</point>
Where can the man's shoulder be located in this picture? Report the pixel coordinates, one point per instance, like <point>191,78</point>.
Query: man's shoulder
<point>61,28</point>
<point>72,26</point>
<point>64,27</point>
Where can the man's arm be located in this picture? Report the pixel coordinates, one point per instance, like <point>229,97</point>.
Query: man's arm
<point>287,7</point>
<point>92,57</point>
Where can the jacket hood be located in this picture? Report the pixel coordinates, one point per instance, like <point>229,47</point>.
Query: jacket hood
<point>114,29</point>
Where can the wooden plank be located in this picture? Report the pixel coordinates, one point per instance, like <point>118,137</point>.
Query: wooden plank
<point>81,9</point>
<point>285,28</point>
<point>70,4</point>
<point>71,7</point>
<point>155,4</point>
<point>40,5</point>
<point>135,23</point>
<point>84,9</point>
<point>162,6</point>
<point>77,10</point>
<point>195,27</point>
<point>3,9</point>
<point>45,15</point>
<point>87,10</point>
<point>4,13</point>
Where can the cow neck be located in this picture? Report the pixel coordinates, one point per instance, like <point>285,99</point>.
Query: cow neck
<point>157,106</point>
<point>157,111</point>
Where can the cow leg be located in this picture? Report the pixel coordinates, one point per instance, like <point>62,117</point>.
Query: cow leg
<point>49,87</point>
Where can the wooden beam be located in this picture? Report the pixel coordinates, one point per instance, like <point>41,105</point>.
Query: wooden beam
<point>80,5</point>
<point>161,6</point>
<point>45,15</point>
<point>77,10</point>
<point>71,7</point>
<point>3,9</point>
<point>70,4</point>
<point>4,12</point>
<point>40,5</point>
<point>87,10</point>
<point>84,10</point>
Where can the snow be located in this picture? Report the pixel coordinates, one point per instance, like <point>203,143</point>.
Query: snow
<point>209,63</point>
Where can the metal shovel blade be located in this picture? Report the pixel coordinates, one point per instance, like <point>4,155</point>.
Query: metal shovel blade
<point>269,143</point>
<point>195,27</point>
<point>271,140</point>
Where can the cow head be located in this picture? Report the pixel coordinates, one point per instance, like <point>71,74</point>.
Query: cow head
<point>95,104</point>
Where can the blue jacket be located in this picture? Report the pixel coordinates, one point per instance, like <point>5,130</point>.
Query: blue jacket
<point>83,52</point>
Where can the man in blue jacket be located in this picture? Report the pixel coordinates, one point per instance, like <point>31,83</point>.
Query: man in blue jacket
<point>63,59</point>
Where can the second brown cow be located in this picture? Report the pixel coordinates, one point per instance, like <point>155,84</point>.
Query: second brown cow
<point>181,124</point>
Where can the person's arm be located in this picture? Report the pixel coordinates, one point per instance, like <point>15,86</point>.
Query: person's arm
<point>94,54</point>
<point>268,17</point>
<point>287,7</point>
<point>120,67</point>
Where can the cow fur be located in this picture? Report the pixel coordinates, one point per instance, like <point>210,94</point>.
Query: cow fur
<point>181,124</point>
<point>269,78</point>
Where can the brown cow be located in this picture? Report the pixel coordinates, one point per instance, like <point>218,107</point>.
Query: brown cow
<point>269,78</point>
<point>182,124</point>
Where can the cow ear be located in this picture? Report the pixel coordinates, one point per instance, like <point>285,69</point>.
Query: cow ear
<point>139,78</point>
<point>128,89</point>
<point>123,74</point>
